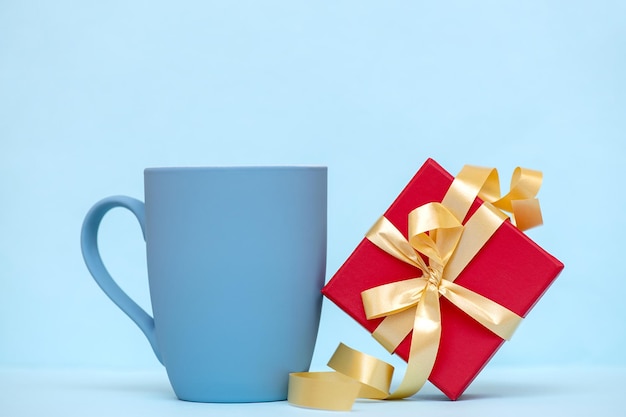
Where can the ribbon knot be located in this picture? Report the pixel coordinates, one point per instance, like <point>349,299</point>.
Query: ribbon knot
<point>434,277</point>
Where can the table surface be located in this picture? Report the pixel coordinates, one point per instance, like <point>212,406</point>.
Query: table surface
<point>496,392</point>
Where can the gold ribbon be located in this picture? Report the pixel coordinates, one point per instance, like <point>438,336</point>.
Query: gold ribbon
<point>435,232</point>
<point>484,183</point>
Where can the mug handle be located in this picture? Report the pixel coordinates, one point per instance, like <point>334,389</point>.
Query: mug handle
<point>91,255</point>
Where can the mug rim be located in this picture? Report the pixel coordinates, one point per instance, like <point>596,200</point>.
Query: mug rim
<point>234,168</point>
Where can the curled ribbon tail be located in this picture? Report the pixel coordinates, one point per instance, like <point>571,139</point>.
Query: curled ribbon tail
<point>356,375</point>
<point>527,213</point>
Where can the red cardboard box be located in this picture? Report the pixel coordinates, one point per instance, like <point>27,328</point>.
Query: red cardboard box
<point>510,269</point>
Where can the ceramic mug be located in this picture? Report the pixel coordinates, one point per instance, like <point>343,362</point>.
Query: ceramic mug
<point>236,259</point>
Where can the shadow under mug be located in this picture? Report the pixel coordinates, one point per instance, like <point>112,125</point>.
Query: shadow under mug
<point>236,259</point>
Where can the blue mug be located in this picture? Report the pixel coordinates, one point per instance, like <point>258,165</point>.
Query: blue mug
<point>236,260</point>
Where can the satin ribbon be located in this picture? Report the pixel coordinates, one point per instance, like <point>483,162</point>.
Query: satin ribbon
<point>435,232</point>
<point>484,183</point>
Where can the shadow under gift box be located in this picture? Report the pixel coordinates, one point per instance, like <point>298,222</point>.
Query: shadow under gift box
<point>510,269</point>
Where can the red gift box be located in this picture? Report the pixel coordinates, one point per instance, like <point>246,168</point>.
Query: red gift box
<point>510,269</point>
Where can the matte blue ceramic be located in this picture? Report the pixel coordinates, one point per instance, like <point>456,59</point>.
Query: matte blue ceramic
<point>236,260</point>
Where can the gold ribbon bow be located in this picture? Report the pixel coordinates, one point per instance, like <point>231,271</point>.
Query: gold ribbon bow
<point>435,232</point>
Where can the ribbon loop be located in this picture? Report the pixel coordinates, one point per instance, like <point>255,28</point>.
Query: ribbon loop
<point>393,298</point>
<point>434,232</point>
<point>385,235</point>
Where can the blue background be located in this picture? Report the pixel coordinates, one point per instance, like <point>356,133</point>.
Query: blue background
<point>93,92</point>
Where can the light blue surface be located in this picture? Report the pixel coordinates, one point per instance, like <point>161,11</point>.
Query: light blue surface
<point>91,93</point>
<point>497,391</point>
<point>234,288</point>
